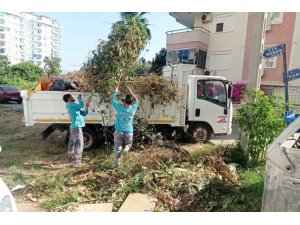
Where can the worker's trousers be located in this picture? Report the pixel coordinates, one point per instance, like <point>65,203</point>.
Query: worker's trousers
<point>121,139</point>
<point>75,147</point>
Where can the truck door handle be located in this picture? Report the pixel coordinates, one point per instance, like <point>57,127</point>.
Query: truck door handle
<point>197,112</point>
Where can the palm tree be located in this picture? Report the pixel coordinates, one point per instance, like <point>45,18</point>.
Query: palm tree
<point>129,18</point>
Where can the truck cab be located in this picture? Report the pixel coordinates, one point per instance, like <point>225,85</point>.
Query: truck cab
<point>208,102</point>
<point>209,106</point>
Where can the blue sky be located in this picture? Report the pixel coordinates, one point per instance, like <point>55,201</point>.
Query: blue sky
<point>81,32</point>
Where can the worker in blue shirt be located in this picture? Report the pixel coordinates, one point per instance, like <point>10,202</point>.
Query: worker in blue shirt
<point>76,114</point>
<point>123,134</point>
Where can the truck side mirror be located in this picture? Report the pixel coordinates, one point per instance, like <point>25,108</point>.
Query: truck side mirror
<point>230,89</point>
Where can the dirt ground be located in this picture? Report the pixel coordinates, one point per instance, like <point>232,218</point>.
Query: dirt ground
<point>28,160</point>
<point>24,155</point>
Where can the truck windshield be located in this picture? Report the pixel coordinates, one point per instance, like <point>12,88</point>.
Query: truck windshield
<point>213,91</point>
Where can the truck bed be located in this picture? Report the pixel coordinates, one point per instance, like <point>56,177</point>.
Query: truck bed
<point>49,107</point>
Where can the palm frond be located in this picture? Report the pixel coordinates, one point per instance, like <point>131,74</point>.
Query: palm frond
<point>143,13</point>
<point>149,34</point>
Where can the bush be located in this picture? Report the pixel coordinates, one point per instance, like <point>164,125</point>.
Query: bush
<point>261,120</point>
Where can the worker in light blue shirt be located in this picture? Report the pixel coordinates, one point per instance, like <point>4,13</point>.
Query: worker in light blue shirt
<point>123,135</point>
<point>76,114</point>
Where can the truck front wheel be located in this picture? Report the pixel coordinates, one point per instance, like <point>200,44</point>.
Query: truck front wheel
<point>89,138</point>
<point>198,133</point>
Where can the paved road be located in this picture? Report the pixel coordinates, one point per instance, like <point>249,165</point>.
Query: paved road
<point>230,139</point>
<point>13,105</point>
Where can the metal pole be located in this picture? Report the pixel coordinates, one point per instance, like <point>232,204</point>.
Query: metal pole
<point>285,80</point>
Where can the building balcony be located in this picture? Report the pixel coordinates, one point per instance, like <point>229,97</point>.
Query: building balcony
<point>56,51</point>
<point>56,37</point>
<point>187,19</point>
<point>56,42</point>
<point>197,37</point>
<point>57,31</point>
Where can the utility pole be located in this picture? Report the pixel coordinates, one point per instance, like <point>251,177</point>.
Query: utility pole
<point>285,79</point>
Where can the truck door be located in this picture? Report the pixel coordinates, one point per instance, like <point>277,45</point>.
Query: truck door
<point>210,104</point>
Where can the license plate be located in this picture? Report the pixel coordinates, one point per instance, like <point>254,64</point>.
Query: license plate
<point>14,98</point>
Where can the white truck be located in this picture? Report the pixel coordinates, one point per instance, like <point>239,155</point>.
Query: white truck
<point>205,108</point>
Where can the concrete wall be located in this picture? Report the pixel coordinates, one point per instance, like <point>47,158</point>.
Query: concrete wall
<point>189,39</point>
<point>232,42</point>
<point>294,61</point>
<point>279,33</point>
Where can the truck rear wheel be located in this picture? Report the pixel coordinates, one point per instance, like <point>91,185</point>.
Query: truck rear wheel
<point>198,133</point>
<point>89,138</point>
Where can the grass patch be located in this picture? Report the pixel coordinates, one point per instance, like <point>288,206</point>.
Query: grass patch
<point>61,199</point>
<point>253,184</point>
<point>249,196</point>
<point>32,166</point>
<point>49,185</point>
<point>16,177</point>
<point>6,145</point>
<point>4,131</point>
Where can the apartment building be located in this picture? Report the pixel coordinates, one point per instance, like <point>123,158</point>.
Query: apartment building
<point>222,44</point>
<point>29,37</point>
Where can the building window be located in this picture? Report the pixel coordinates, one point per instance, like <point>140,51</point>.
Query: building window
<point>270,63</point>
<point>276,17</point>
<point>268,91</point>
<point>220,61</point>
<point>2,43</point>
<point>224,23</point>
<point>2,28</point>
<point>219,27</point>
<point>2,36</point>
<point>2,50</point>
<point>185,56</point>
<point>201,59</point>
<point>37,56</point>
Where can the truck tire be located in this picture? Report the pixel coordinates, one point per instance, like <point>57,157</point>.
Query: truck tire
<point>198,133</point>
<point>89,138</point>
